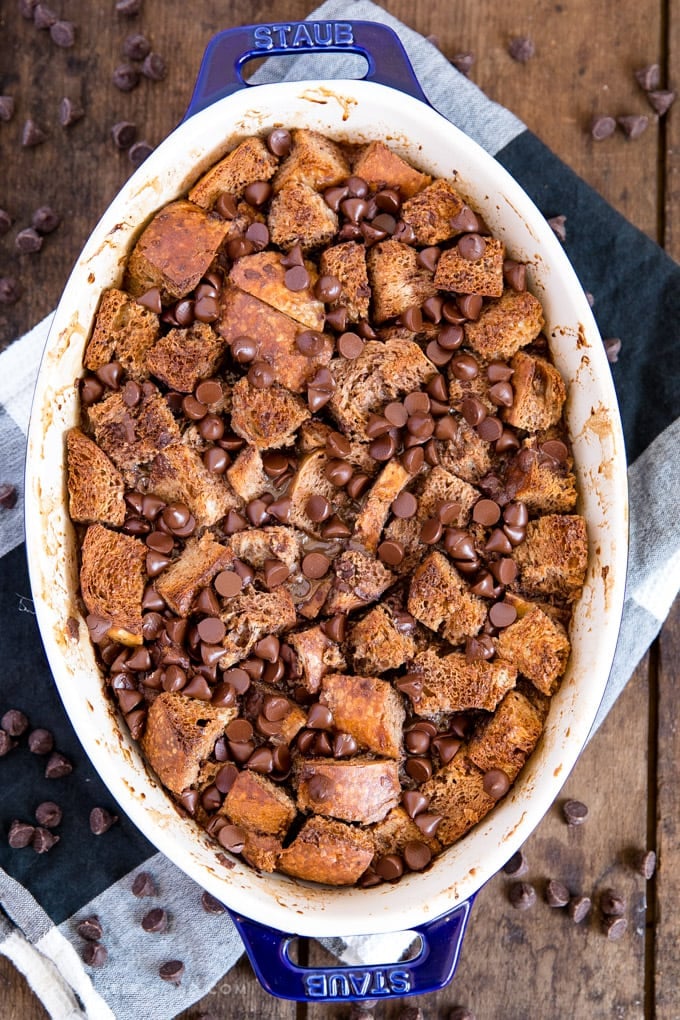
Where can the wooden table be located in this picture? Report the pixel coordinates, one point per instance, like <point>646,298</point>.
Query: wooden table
<point>515,965</point>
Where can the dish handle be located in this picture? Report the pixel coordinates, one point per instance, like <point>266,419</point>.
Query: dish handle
<point>220,73</point>
<point>428,971</point>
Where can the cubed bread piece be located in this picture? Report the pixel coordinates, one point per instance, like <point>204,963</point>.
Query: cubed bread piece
<point>368,708</point>
<point>397,281</point>
<point>504,326</point>
<point>554,556</point>
<point>314,436</point>
<point>299,215</point>
<point>247,475</point>
<point>457,793</point>
<point>538,481</point>
<point>242,314</point>
<point>347,263</point>
<point>539,393</point>
<point>250,161</point>
<point>310,480</point>
<point>179,475</point>
<point>180,734</point>
<point>267,418</point>
<point>464,276</point>
<point>316,656</point>
<point>465,454</point>
<point>262,852</point>
<point>278,542</point>
<point>507,738</point>
<point>359,580</point>
<point>440,599</point>
<point>200,561</point>
<point>358,789</point>
<point>430,212</point>
<point>133,435</point>
<point>175,250</point>
<point>263,276</point>
<point>370,520</point>
<point>285,730</point>
<point>449,683</point>
<point>312,602</point>
<point>396,829</point>
<point>183,357</point>
<point>95,485</point>
<point>255,802</point>
<point>328,851</point>
<point>538,647</point>
<point>124,331</point>
<point>378,644</point>
<point>443,486</point>
<point>251,616</point>
<point>380,167</point>
<point>112,581</point>
<point>314,159</point>
<point>477,387</point>
<point>382,372</point>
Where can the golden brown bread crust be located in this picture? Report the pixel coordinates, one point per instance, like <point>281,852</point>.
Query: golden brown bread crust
<point>347,263</point>
<point>275,542</point>
<point>504,326</point>
<point>133,435</point>
<point>397,280</point>
<point>299,215</point>
<point>539,394</point>
<point>359,580</point>
<point>328,851</point>
<point>122,330</point>
<point>250,161</point>
<point>315,160</point>
<point>250,616</point>
<point>544,486</point>
<point>377,645</point>
<point>267,418</point>
<point>200,561</point>
<point>247,476</point>
<point>258,804</point>
<point>112,581</point>
<point>371,519</point>
<point>395,830</point>
<point>483,276</point>
<point>368,708</point>
<point>440,599</point>
<point>179,475</point>
<point>380,167</point>
<point>261,851</point>
<point>507,738</point>
<point>357,790</point>
<point>465,454</point>
<point>457,793</point>
<point>554,557</point>
<point>537,646</point>
<point>316,656</point>
<point>183,357</point>
<point>95,486</point>
<point>262,276</point>
<point>310,480</point>
<point>452,684</point>
<point>430,212</point>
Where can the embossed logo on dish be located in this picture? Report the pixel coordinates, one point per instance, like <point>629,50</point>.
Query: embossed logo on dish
<point>296,36</point>
<point>362,983</point>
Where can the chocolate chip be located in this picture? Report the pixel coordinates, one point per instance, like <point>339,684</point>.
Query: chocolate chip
<point>70,112</point>
<point>125,77</point>
<point>471,247</point>
<point>463,62</point>
<point>602,127</point>
<point>335,627</point>
<point>661,100</point>
<point>521,49</point>
<point>614,928</point>
<point>6,107</point>
<point>502,614</point>
<point>315,565</point>
<point>5,221</point>
<point>612,903</point>
<point>94,954</point>
<point>522,895</point>
<point>644,863</point>
<point>517,865</point>
<point>556,894</point>
<point>275,573</point>
<point>350,345</point>
<point>43,16</point>
<point>144,885</point>
<point>154,67</point>
<point>14,722</point>
<point>575,812</point>
<point>558,226</point>
<point>633,125</point>
<point>232,837</point>
<point>138,152</point>
<point>58,764</point>
<point>20,834</point>
<point>28,241</point>
<point>90,928</point>
<point>257,193</point>
<point>101,821</point>
<point>155,920</point>
<point>41,741</point>
<point>390,867</point>
<point>45,220</point>
<point>309,342</point>
<point>391,552</point>
<point>405,505</point>
<point>579,908</point>
<point>43,840</point>
<point>261,375</point>
<point>211,905</point>
<point>428,822</point>
<point>63,34</point>
<point>496,783</point>
<point>297,278</point>
<point>48,814</point>
<point>123,134</point>
<point>649,78</point>
<point>136,46</point>
<point>417,855</point>
<point>412,318</point>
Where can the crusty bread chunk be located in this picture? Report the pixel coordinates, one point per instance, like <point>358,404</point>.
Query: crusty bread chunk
<point>507,738</point>
<point>377,644</point>
<point>457,793</point>
<point>287,728</point>
<point>250,616</point>
<point>463,276</point>
<point>255,802</point>
<point>180,734</point>
<point>347,263</point>
<point>263,276</point>
<point>430,212</point>
<point>267,418</point>
<point>554,557</point>
<point>544,486</point>
<point>328,851</point>
<point>299,215</point>
<point>440,599</point>
<point>537,646</point>
<point>539,393</point>
<point>397,281</point>
<point>380,167</point>
<point>183,357</point>
<point>175,250</point>
<point>200,561</point>
<point>504,326</point>
<point>465,454</point>
<point>247,475</point>
<point>316,656</point>
<point>112,581</point>
<point>314,159</point>
<point>310,604</point>
<point>370,520</point>
<point>396,829</point>
<point>310,480</point>
<point>368,708</point>
<point>359,580</point>
<point>449,683</point>
<point>133,435</point>
<point>122,330</point>
<point>477,387</point>
<point>359,789</point>
<point>179,475</point>
<point>242,314</point>
<point>95,485</point>
<point>256,545</point>
<point>250,161</point>
<point>314,436</point>
<point>261,851</point>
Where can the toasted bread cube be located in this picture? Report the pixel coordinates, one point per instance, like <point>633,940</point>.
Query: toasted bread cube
<point>112,581</point>
<point>544,486</point>
<point>95,485</point>
<point>371,518</point>
<point>430,212</point>
<point>504,326</point>
<point>507,738</point>
<point>554,557</point>
<point>255,802</point>
<point>328,851</point>
<point>278,542</point>
<point>314,436</point>
<point>263,276</point>
<point>310,605</point>
<point>439,598</point>
<point>133,435</point>
<point>122,330</point>
<point>359,789</point>
<point>449,683</point>
<point>463,276</point>
<point>262,852</point>
<point>175,250</point>
<point>315,160</point>
<point>241,314</point>
<point>247,475</point>
<point>180,734</point>
<point>359,580</point>
<point>477,387</point>
<point>179,475</point>
<point>316,656</point>
<point>465,454</point>
<point>378,644</point>
<point>539,394</point>
<point>380,167</point>
<point>538,647</point>
<point>347,262</point>
<point>183,357</point>
<point>397,281</point>
<point>250,161</point>
<point>396,829</point>
<point>251,616</point>
<point>201,560</point>
<point>287,728</point>
<point>267,418</point>
<point>310,480</point>
<point>368,708</point>
<point>299,215</point>
<point>457,793</point>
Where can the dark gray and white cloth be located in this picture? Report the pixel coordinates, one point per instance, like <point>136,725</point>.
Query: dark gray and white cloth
<point>43,897</point>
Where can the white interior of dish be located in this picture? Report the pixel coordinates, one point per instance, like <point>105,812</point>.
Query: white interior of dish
<point>357,111</point>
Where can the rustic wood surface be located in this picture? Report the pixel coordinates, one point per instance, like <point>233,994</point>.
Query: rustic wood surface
<point>514,965</point>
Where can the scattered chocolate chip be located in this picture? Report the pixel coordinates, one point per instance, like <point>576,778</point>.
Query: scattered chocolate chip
<point>41,741</point>
<point>28,241</point>
<point>58,765</point>
<point>124,134</point>
<point>138,152</point>
<point>661,100</point>
<point>5,221</point>
<point>125,77</point>
<point>614,928</point>
<point>129,8</point>
<point>70,112</point>
<point>20,834</point>
<point>136,46</point>
<point>43,840</point>
<point>144,885</point>
<point>154,67</point>
<point>575,812</point>
<point>522,895</point>
<point>556,894</point>
<point>649,78</point>
<point>173,970</point>
<point>558,226</point>
<point>211,905</point>
<point>6,107</point>
<point>43,16</point>
<point>63,34</point>
<point>463,62</point>
<point>257,193</point>
<point>390,867</point>
<point>633,125</point>
<point>644,863</point>
<point>14,722</point>
<point>94,954</point>
<point>10,290</point>
<point>521,49</point>
<point>48,814</point>
<point>612,903</point>
<point>579,908</point>
<point>602,127</point>
<point>156,920</point>
<point>232,837</point>
<point>90,928</point>
<point>461,1013</point>
<point>101,821</point>
<point>350,345</point>
<point>496,783</point>
<point>612,348</point>
<point>45,220</point>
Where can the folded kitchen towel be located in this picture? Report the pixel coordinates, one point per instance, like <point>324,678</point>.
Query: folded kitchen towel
<point>44,896</point>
